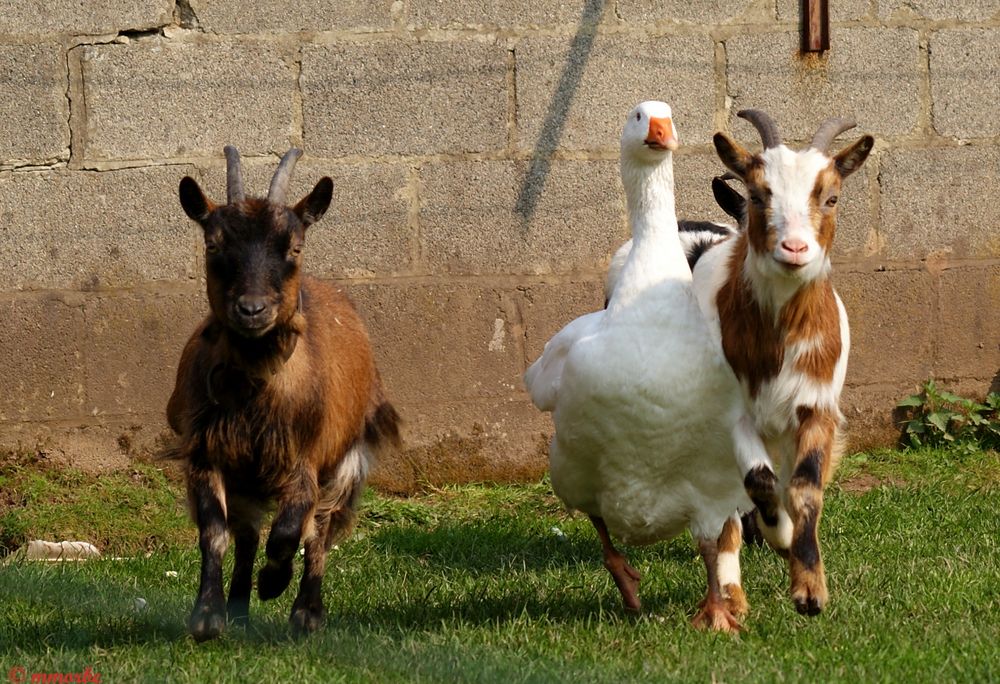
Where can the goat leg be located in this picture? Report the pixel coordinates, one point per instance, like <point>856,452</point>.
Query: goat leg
<point>728,565</point>
<point>295,509</point>
<point>207,497</point>
<point>713,613</point>
<point>761,484</point>
<point>246,539</point>
<point>625,576</point>
<point>815,441</point>
<point>308,613</point>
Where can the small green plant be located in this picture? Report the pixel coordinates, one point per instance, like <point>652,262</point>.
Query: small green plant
<point>938,418</point>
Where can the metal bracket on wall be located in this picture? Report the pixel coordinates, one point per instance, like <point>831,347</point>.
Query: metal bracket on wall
<point>815,15</point>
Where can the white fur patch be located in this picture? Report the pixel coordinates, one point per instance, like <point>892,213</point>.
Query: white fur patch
<point>729,568</point>
<point>779,536</point>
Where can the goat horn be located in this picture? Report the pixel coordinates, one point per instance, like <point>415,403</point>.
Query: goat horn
<point>279,184</point>
<point>765,126</point>
<point>234,175</point>
<point>830,129</point>
<point>728,176</point>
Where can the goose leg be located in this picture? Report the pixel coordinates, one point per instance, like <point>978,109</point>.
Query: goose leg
<point>713,613</point>
<point>625,576</point>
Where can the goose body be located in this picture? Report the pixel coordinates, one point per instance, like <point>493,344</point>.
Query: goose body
<point>643,401</point>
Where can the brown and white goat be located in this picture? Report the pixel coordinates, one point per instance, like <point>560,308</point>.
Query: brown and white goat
<point>784,332</point>
<point>277,400</point>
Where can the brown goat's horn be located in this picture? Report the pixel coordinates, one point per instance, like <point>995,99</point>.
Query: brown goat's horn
<point>765,126</point>
<point>279,184</point>
<point>234,175</point>
<point>830,129</point>
<point>728,176</point>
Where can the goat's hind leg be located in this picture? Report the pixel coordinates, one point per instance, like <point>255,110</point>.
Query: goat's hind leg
<point>207,497</point>
<point>335,516</point>
<point>728,565</point>
<point>625,576</point>
<point>713,612</point>
<point>295,510</point>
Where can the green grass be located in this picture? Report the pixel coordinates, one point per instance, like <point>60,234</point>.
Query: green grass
<point>471,584</point>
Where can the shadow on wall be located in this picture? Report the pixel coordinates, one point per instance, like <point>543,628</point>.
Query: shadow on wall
<point>555,118</point>
<point>995,385</point>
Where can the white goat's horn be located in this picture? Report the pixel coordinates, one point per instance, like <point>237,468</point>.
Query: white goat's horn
<point>765,126</point>
<point>830,129</point>
<point>279,184</point>
<point>234,175</point>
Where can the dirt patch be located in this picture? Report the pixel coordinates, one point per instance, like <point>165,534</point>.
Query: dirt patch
<point>865,482</point>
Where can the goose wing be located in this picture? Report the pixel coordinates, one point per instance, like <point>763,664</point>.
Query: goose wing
<point>544,376</point>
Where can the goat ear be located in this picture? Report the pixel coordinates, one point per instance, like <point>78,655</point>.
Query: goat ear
<point>850,159</point>
<point>731,201</point>
<point>195,204</point>
<point>735,157</point>
<point>311,208</point>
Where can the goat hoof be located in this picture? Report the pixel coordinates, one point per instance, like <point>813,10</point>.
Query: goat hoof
<point>273,579</point>
<point>307,620</point>
<point>808,605</point>
<point>206,623</point>
<point>809,595</point>
<point>736,600</point>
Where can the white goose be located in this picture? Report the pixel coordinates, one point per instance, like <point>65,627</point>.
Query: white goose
<point>643,401</point>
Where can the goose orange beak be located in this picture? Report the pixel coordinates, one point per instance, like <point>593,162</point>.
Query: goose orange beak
<point>661,134</point>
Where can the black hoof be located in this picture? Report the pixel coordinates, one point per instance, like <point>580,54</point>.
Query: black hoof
<point>206,623</point>
<point>306,620</point>
<point>808,606</point>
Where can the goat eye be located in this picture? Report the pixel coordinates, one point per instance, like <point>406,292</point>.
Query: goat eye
<point>832,201</point>
<point>638,116</point>
<point>211,248</point>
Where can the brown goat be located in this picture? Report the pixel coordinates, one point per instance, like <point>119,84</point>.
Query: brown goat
<point>277,400</point>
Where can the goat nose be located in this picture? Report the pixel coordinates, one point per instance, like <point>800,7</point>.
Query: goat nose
<point>250,306</point>
<point>794,246</point>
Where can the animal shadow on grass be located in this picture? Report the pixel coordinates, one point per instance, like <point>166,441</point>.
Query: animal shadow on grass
<point>507,574</point>
<point>480,573</point>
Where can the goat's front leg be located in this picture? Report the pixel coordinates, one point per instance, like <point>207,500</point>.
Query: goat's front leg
<point>244,525</point>
<point>295,509</point>
<point>814,445</point>
<point>207,496</point>
<point>761,484</point>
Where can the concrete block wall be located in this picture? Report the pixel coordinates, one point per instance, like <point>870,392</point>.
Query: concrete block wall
<point>473,146</point>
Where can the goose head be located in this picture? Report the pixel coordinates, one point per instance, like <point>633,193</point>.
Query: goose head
<point>649,135</point>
